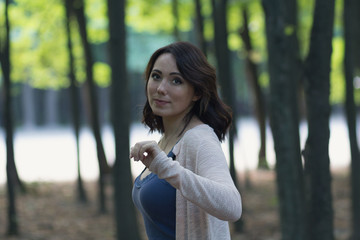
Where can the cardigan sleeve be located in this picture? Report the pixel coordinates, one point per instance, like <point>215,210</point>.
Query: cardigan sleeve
<point>203,176</point>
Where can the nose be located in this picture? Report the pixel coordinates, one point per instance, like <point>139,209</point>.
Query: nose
<point>161,89</point>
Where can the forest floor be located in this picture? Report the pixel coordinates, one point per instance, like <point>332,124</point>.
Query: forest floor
<point>49,211</point>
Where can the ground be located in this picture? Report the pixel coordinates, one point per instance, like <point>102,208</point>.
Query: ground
<point>49,211</point>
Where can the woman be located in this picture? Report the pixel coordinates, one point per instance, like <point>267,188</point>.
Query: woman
<point>185,190</point>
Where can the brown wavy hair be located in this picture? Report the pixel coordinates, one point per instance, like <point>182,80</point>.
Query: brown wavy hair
<point>195,69</point>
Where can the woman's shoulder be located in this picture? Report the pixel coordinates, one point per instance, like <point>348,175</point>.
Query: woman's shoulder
<point>200,135</point>
<point>200,132</point>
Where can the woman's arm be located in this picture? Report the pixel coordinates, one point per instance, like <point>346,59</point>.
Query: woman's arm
<point>209,184</point>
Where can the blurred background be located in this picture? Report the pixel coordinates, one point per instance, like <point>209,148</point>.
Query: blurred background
<point>288,69</point>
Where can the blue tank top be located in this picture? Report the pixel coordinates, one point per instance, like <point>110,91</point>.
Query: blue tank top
<point>155,198</point>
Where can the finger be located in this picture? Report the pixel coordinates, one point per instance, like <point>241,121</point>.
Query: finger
<point>134,152</point>
<point>138,150</point>
<point>142,156</point>
<point>130,154</point>
<point>144,150</point>
<point>149,151</point>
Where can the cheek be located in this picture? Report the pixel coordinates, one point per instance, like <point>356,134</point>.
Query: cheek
<point>185,98</point>
<point>150,88</point>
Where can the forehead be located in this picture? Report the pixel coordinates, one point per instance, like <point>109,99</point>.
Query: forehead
<point>166,62</point>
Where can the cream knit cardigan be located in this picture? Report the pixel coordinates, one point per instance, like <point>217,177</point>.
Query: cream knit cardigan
<point>206,197</point>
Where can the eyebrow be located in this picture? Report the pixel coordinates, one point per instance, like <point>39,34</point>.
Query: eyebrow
<point>172,73</point>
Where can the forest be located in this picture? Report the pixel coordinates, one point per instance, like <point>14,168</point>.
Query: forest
<point>76,67</point>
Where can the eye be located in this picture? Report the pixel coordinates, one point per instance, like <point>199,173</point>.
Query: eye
<point>155,76</point>
<point>177,81</point>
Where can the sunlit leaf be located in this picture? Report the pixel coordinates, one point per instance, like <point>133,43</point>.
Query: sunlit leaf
<point>234,41</point>
<point>337,83</point>
<point>264,79</point>
<point>157,16</point>
<point>102,74</point>
<point>97,20</point>
<point>289,30</point>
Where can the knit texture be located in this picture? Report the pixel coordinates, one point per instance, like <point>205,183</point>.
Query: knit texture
<point>206,197</point>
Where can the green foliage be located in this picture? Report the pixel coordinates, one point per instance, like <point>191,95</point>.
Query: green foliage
<point>305,10</point>
<point>257,32</point>
<point>39,46</point>
<point>339,15</point>
<point>264,79</point>
<point>2,30</point>
<point>78,53</point>
<point>2,20</point>
<point>305,19</point>
<point>206,11</point>
<point>102,74</point>
<point>38,43</point>
<point>256,28</point>
<point>234,23</point>
<point>156,16</point>
<point>289,30</point>
<point>337,80</point>
<point>97,21</point>
<point>337,94</point>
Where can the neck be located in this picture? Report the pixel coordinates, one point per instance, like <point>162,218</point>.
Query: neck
<point>172,133</point>
<point>172,128</point>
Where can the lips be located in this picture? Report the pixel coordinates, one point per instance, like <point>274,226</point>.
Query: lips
<point>160,102</point>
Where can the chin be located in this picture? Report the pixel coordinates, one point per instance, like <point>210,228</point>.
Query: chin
<point>158,113</point>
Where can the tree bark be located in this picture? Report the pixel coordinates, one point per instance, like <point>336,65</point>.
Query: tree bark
<point>199,26</point>
<point>316,152</point>
<point>125,215</point>
<point>224,75</point>
<point>175,11</point>
<point>74,101</point>
<point>351,40</point>
<point>253,80</point>
<point>92,100</point>
<point>10,158</point>
<point>284,70</point>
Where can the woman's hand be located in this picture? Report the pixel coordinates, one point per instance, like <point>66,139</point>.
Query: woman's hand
<point>145,151</point>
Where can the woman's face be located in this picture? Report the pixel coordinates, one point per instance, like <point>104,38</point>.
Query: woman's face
<point>170,96</point>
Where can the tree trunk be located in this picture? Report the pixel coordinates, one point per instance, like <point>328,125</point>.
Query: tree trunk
<point>316,152</point>
<point>253,80</point>
<point>175,11</point>
<point>92,100</point>
<point>125,215</point>
<point>199,27</point>
<point>10,158</point>
<point>317,90</point>
<point>283,64</point>
<point>351,40</point>
<point>74,101</point>
<point>224,75</point>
